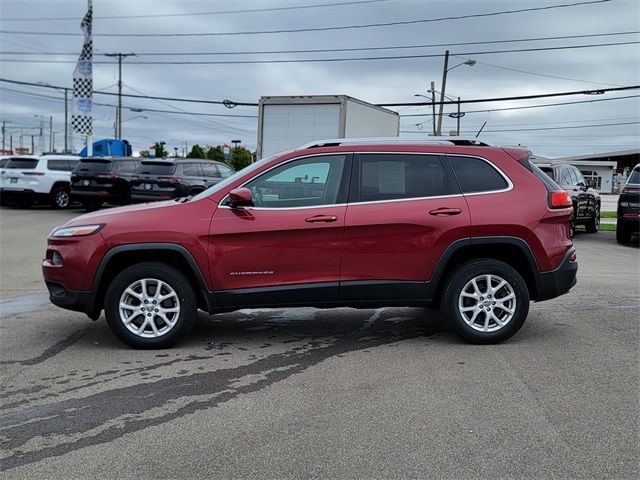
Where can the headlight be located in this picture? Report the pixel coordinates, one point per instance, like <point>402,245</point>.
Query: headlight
<point>79,231</point>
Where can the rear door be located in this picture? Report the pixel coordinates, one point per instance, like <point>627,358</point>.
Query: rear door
<point>404,211</point>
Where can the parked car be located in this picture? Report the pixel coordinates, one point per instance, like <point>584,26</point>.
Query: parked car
<point>585,200</point>
<point>26,179</point>
<point>174,178</point>
<point>628,216</point>
<point>98,180</point>
<point>478,230</point>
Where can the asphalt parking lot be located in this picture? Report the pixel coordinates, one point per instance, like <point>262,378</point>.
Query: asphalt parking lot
<point>336,393</point>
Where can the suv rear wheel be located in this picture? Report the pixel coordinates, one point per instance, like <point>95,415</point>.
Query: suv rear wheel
<point>60,197</point>
<point>150,305</point>
<point>623,234</point>
<point>485,301</point>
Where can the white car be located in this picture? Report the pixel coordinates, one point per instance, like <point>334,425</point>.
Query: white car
<point>45,179</point>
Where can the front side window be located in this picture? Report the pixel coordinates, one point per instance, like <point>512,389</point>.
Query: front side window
<point>300,183</point>
<point>224,170</point>
<point>476,175</point>
<point>565,177</point>
<point>400,176</point>
<point>579,177</point>
<point>210,170</point>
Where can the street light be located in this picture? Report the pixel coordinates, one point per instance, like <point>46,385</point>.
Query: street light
<point>446,69</point>
<point>117,127</point>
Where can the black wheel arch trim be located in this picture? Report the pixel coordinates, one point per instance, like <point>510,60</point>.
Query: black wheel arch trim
<point>174,247</point>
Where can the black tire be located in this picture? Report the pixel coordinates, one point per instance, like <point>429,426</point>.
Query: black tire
<point>60,197</point>
<point>464,274</point>
<point>183,289</point>
<point>593,225</point>
<point>623,234</point>
<point>91,206</point>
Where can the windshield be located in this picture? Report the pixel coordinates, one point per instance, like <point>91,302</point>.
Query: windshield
<point>223,183</point>
<point>635,176</point>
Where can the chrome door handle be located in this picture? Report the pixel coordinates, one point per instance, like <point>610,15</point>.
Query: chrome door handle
<point>321,219</point>
<point>445,212</point>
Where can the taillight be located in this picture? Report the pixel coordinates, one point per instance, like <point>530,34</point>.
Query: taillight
<point>107,175</point>
<point>39,174</point>
<point>573,258</point>
<point>559,199</point>
<point>169,179</point>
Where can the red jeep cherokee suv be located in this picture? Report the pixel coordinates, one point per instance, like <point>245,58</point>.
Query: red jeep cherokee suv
<point>476,229</point>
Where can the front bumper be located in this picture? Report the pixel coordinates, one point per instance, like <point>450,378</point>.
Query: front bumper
<point>77,301</point>
<point>557,282</point>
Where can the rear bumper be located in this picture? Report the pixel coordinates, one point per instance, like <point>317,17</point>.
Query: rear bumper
<point>23,194</point>
<point>97,196</point>
<point>77,301</point>
<point>557,282</point>
<point>632,223</point>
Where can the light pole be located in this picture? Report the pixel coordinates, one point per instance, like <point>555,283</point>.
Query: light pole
<point>445,70</point>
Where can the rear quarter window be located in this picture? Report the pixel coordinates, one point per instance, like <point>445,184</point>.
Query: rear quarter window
<point>475,175</point>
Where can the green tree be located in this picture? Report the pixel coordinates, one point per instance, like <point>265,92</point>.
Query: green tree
<point>160,151</point>
<point>240,157</point>
<point>215,153</point>
<point>197,152</point>
<point>144,153</point>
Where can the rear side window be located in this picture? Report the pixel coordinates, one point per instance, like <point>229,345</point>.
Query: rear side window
<point>191,170</point>
<point>210,169</point>
<point>475,175</point>
<point>22,163</point>
<point>62,165</point>
<point>398,176</point>
<point>97,166</point>
<point>156,168</point>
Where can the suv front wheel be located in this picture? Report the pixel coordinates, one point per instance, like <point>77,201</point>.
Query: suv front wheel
<point>485,301</point>
<point>150,305</point>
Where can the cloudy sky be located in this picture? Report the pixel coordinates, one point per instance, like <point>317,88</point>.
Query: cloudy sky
<point>554,131</point>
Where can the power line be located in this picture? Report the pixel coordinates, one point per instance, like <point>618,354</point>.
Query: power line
<point>547,128</point>
<point>134,108</point>
<point>529,106</point>
<point>333,50</point>
<point>218,12</point>
<point>232,104</point>
<point>324,60</point>
<point>315,29</point>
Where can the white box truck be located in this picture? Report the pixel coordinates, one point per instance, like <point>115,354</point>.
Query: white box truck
<point>287,122</point>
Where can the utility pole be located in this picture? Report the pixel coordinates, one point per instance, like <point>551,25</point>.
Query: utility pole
<point>3,131</point>
<point>458,119</point>
<point>51,133</point>
<point>444,86</point>
<point>119,56</point>
<point>433,105</point>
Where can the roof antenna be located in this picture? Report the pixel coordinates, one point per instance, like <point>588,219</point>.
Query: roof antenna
<point>481,128</point>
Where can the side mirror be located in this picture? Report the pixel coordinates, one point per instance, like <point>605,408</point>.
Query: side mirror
<point>240,197</point>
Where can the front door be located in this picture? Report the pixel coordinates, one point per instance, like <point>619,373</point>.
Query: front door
<point>286,249</point>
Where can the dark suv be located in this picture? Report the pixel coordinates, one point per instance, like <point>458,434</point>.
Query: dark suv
<point>628,217</point>
<point>586,201</point>
<point>475,229</point>
<point>98,180</point>
<point>174,178</point>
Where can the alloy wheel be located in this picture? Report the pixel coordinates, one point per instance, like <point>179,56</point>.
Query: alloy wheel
<point>62,198</point>
<point>487,303</point>
<point>149,308</point>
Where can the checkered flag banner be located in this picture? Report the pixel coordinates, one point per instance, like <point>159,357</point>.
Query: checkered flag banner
<point>81,117</point>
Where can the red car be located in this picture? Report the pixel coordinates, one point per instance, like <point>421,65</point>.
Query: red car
<point>475,229</point>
